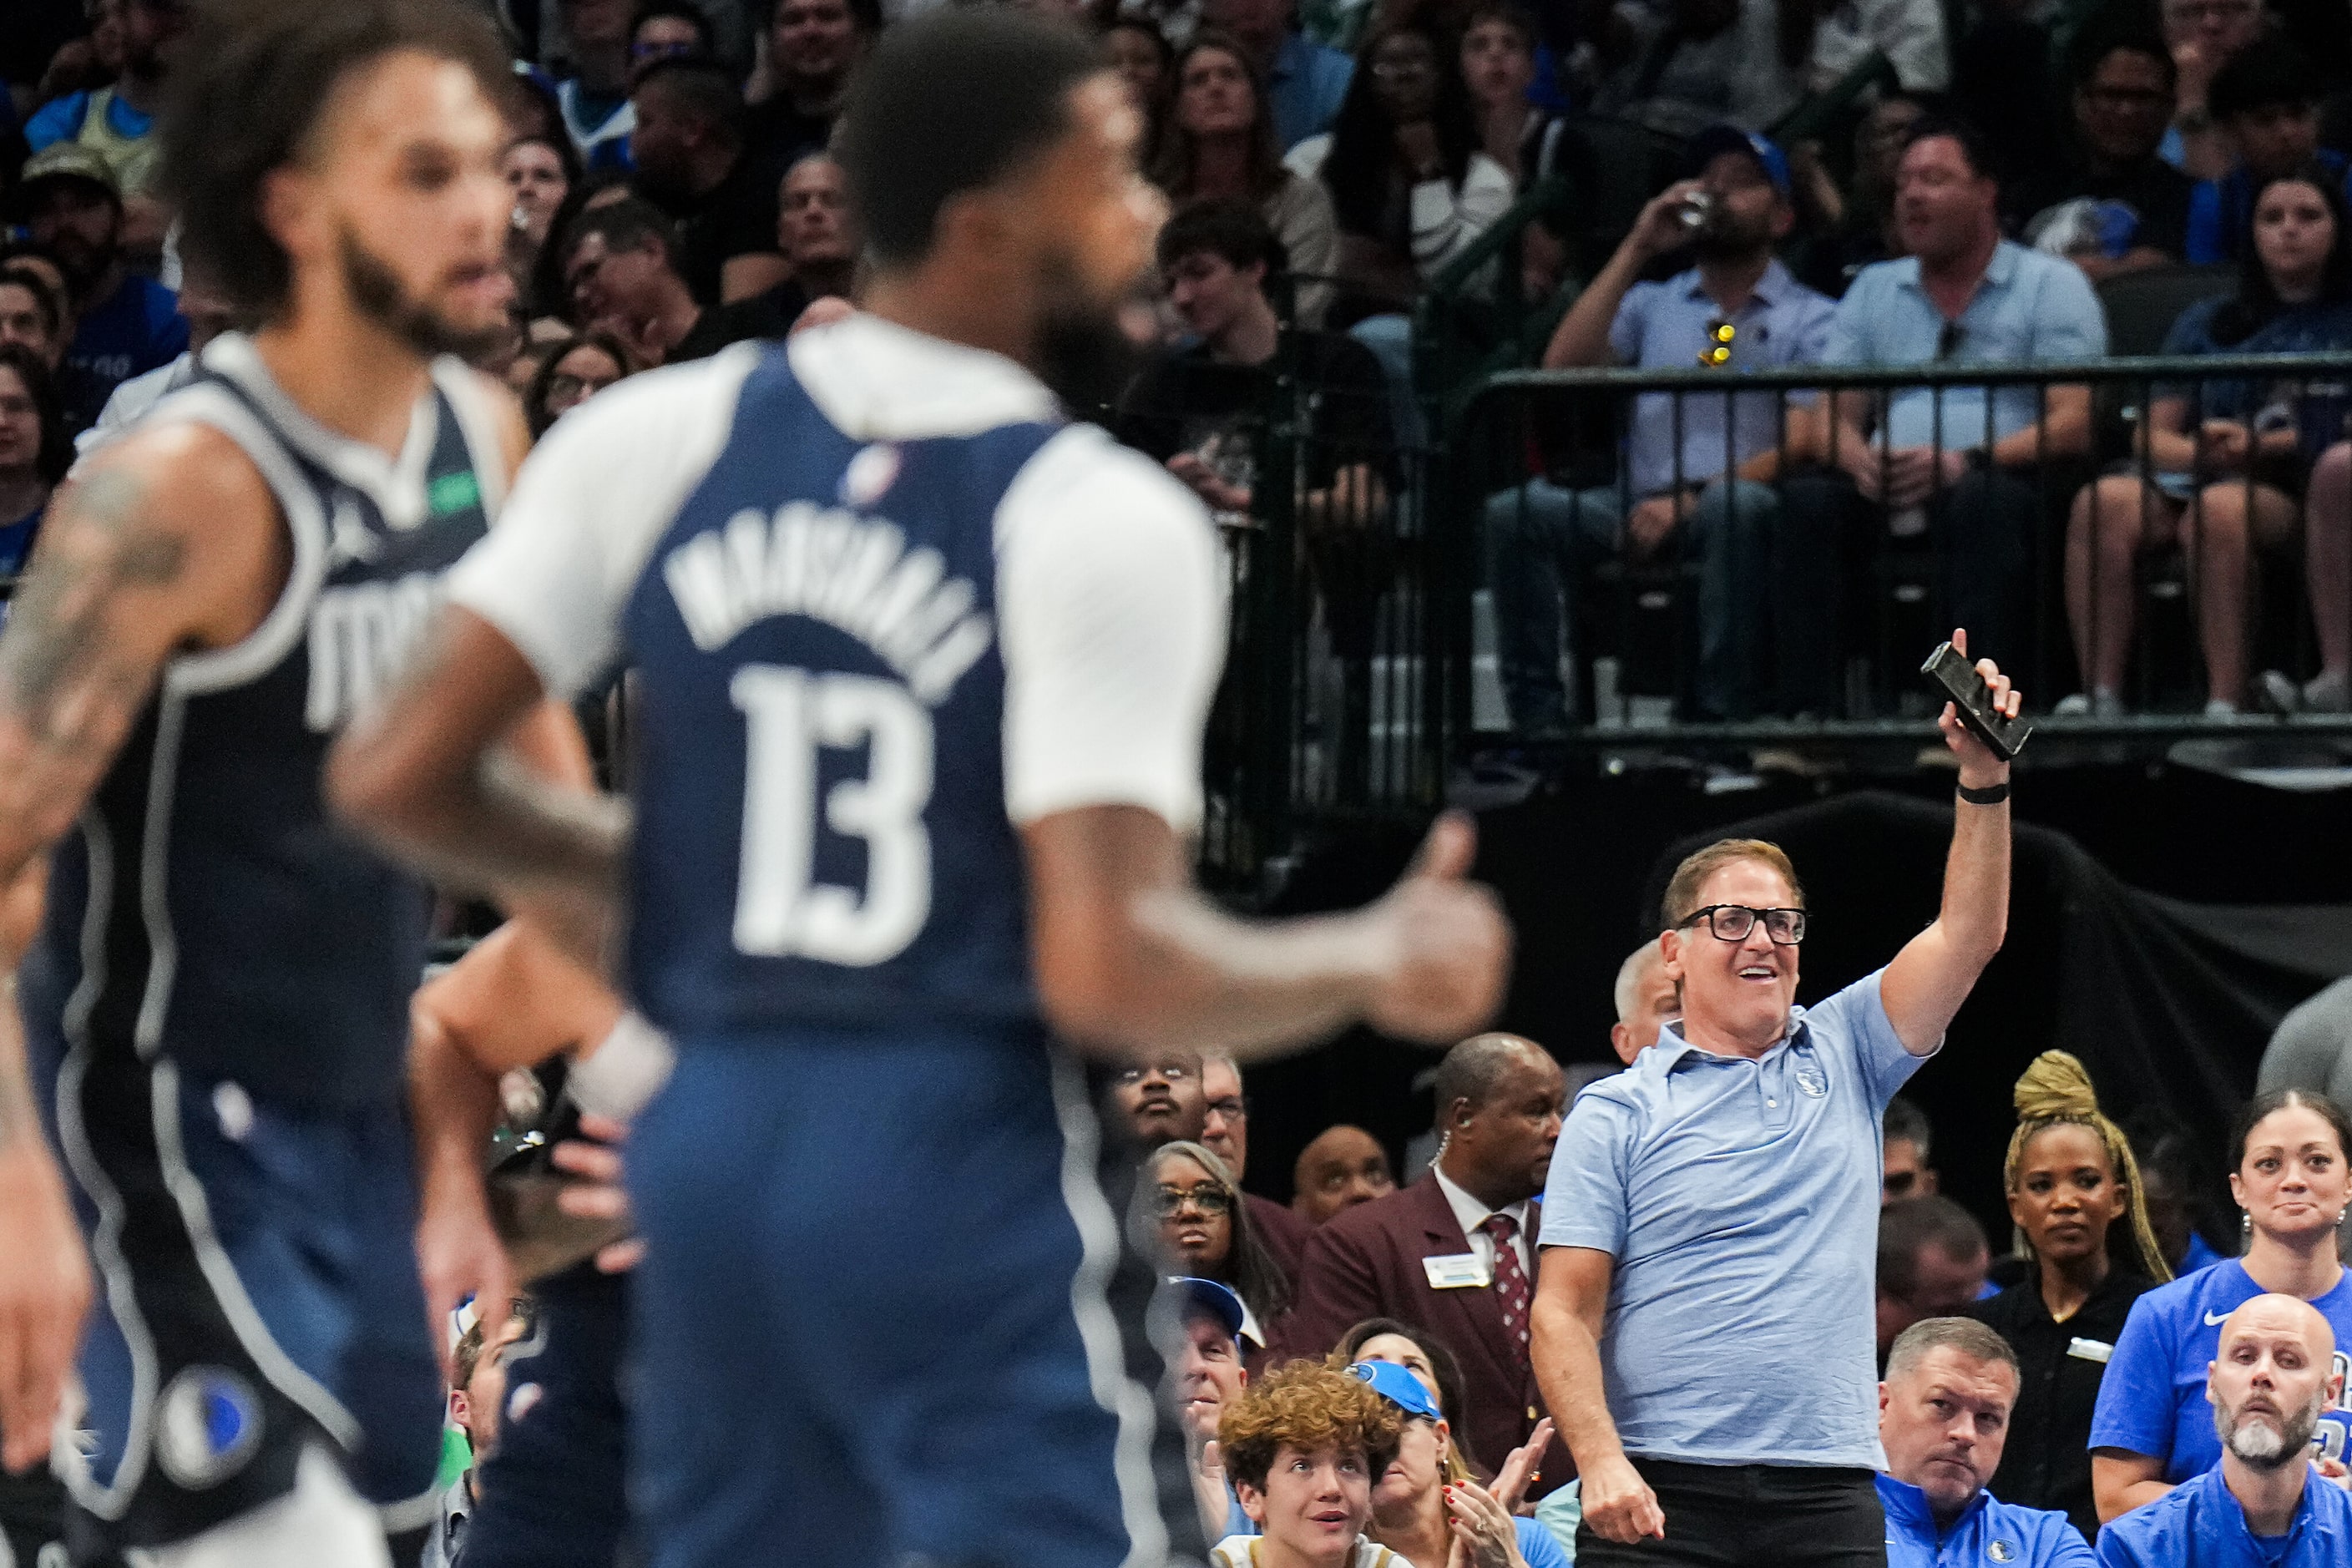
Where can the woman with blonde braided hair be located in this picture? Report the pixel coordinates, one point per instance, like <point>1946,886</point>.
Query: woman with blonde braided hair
<point>2072,1184</point>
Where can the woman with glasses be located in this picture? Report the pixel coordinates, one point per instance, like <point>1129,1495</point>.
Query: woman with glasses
<point>2222,467</point>
<point>1205,1234</point>
<point>571,374</point>
<point>1219,140</point>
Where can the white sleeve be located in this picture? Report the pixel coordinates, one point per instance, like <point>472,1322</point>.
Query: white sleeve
<point>593,499</point>
<point>1110,597</point>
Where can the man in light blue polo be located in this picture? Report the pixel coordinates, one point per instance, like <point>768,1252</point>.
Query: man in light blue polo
<point>1943,1418</point>
<point>1700,470</point>
<point>1963,464</point>
<point>1704,1323</point>
<point>1305,81</point>
<point>2264,1505</point>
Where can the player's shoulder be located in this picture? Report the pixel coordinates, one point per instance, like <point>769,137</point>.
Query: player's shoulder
<point>1082,473</point>
<point>176,469</point>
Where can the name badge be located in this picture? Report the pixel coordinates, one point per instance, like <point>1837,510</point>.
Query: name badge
<point>2090,1350</point>
<point>1461,1271</point>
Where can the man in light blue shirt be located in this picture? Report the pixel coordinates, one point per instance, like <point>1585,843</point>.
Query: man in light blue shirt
<point>1943,1418</point>
<point>1970,468</point>
<point>2263,1506</point>
<point>1699,471</point>
<point>1704,1315</point>
<point>1306,81</point>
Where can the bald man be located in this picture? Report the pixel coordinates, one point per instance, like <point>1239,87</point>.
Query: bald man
<point>1453,1252</point>
<point>1343,1166</point>
<point>2263,1506</point>
<point>1646,998</point>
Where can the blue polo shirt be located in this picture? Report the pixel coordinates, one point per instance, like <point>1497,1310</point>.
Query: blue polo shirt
<point>1663,326</point>
<point>2152,1400</point>
<point>2031,309</point>
<point>1740,1198</point>
<point>1306,85</point>
<point>2200,1524</point>
<point>1987,1534</point>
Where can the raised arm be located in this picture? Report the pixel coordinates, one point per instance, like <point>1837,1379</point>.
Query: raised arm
<point>1131,957</point>
<point>129,570</point>
<point>1572,1295</point>
<point>1933,974</point>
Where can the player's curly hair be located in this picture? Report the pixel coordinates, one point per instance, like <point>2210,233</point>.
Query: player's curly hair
<point>1307,1406</point>
<point>2056,1091</point>
<point>249,87</point>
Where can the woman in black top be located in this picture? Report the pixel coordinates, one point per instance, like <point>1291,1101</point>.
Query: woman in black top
<point>2073,1186</point>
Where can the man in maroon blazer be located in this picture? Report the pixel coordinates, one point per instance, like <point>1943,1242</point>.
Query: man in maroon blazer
<point>1454,1253</point>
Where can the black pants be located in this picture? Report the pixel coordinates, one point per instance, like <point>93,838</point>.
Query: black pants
<point>1983,528</point>
<point>1752,1516</point>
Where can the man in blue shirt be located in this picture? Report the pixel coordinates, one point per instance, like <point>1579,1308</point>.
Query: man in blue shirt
<point>1305,81</point>
<point>1964,465</point>
<point>2262,1506</point>
<point>2268,108</point>
<point>1699,471</point>
<point>1943,1418</point>
<point>128,324</point>
<point>1703,1319</point>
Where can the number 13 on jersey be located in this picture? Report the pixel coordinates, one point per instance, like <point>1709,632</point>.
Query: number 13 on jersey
<point>780,911</point>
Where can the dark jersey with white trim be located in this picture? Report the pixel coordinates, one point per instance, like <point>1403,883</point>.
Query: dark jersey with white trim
<point>821,830</point>
<point>207,906</point>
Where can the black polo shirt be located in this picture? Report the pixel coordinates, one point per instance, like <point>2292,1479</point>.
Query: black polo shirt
<point>2047,1463</point>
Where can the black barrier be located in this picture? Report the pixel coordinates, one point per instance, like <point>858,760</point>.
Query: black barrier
<point>2059,509</point>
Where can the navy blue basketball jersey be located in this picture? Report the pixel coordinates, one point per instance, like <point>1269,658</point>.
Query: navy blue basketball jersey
<point>881,607</point>
<point>821,725</point>
<point>206,905</point>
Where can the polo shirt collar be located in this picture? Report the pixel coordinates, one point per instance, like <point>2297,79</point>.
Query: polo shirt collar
<point>1999,272</point>
<point>1771,288</point>
<point>1672,1050</point>
<point>1908,1509</point>
<point>2223,1498</point>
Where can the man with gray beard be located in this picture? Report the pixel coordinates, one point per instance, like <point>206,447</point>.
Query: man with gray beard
<point>2264,1505</point>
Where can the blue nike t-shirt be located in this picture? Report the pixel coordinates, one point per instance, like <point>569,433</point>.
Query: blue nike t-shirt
<point>2152,1399</point>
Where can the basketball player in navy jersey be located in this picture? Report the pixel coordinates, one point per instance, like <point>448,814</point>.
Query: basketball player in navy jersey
<point>216,1010</point>
<point>922,673</point>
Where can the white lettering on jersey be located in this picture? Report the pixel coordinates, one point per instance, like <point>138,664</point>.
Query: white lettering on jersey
<point>361,638</point>
<point>850,573</point>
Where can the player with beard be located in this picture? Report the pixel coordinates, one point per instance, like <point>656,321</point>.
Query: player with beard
<point>921,672</point>
<point>216,1009</point>
<point>1737,308</point>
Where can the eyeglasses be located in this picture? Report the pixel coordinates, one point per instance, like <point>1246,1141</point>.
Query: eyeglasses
<point>1210,1201</point>
<point>1174,1072</point>
<point>1732,923</point>
<point>1717,352</point>
<point>569,386</point>
<point>1948,340</point>
<point>1231,1110</point>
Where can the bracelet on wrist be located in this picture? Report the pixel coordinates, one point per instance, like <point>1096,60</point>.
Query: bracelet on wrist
<point>1993,794</point>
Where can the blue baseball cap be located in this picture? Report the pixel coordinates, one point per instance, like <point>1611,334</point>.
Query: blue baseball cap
<point>1719,138</point>
<point>1217,1301</point>
<point>1399,1387</point>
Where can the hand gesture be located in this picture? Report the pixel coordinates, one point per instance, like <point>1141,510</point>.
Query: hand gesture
<point>2224,447</point>
<point>45,1293</point>
<point>458,1254</point>
<point>1647,525</point>
<point>1979,769</point>
<point>1484,1536</point>
<point>1618,1504</point>
<point>1519,1472</point>
<point>1443,947</point>
<point>596,1159</point>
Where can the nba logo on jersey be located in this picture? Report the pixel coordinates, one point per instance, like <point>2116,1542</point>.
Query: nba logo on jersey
<point>207,1425</point>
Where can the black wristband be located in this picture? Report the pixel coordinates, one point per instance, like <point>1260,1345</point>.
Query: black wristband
<point>1992,796</point>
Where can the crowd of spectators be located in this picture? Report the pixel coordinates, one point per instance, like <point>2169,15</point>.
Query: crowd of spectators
<point>1371,1370</point>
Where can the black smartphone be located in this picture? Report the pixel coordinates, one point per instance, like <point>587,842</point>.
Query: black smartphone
<point>1950,671</point>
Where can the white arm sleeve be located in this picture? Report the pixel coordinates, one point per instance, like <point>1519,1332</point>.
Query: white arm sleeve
<point>593,499</point>
<point>1110,592</point>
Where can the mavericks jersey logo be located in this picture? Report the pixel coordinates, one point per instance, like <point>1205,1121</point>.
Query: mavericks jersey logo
<point>856,575</point>
<point>362,636</point>
<point>207,1425</point>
